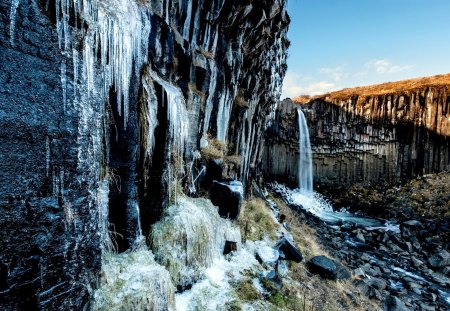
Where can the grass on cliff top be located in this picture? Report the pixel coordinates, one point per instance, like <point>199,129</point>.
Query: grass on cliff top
<point>404,86</point>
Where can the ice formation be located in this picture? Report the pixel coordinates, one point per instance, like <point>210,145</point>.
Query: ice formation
<point>215,290</point>
<point>134,281</point>
<point>116,39</point>
<point>12,19</point>
<point>189,237</point>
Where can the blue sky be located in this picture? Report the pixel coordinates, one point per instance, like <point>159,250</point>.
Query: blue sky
<point>345,43</point>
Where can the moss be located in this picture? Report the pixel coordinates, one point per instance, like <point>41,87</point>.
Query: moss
<point>246,291</point>
<point>233,305</point>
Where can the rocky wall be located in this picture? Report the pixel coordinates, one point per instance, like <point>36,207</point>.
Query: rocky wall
<point>104,105</point>
<point>366,139</point>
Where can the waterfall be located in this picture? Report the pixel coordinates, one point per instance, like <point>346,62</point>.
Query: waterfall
<point>305,175</point>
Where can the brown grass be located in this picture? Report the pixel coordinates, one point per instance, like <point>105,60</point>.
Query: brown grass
<point>404,86</point>
<point>216,149</point>
<point>195,90</point>
<point>256,221</point>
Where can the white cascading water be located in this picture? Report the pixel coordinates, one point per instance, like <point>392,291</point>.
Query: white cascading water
<point>305,173</point>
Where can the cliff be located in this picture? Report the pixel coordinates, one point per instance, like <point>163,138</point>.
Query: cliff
<point>388,132</point>
<point>104,107</point>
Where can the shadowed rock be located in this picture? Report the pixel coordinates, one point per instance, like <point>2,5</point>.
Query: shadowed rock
<point>228,196</point>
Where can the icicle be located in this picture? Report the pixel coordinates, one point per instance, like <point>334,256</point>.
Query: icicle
<point>151,119</point>
<point>47,155</point>
<point>209,100</point>
<point>223,117</point>
<point>64,83</point>
<point>167,12</point>
<point>187,22</point>
<point>12,19</point>
<point>75,70</point>
<point>177,113</point>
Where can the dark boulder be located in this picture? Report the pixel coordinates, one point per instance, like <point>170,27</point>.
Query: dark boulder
<point>230,246</point>
<point>410,228</point>
<point>228,196</point>
<point>392,303</point>
<point>440,259</point>
<point>327,268</point>
<point>288,251</point>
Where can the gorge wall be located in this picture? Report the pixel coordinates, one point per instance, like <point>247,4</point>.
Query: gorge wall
<point>366,135</point>
<point>106,106</point>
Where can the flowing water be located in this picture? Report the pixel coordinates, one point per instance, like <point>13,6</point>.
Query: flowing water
<point>305,173</point>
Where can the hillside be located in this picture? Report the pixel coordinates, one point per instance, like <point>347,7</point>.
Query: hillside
<point>398,87</point>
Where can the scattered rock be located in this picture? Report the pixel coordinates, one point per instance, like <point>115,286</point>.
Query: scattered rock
<point>393,303</point>
<point>360,237</point>
<point>377,283</point>
<point>439,260</point>
<point>288,251</point>
<point>324,267</point>
<point>440,278</point>
<point>228,196</point>
<point>230,246</point>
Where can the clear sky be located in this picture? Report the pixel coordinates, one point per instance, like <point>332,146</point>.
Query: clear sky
<point>346,43</point>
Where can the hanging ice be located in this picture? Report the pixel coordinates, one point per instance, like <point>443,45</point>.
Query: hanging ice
<point>176,112</point>
<point>118,33</point>
<point>12,19</point>
<point>305,174</point>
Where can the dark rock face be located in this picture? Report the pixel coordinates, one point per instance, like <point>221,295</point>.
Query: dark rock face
<point>281,155</point>
<point>364,140</point>
<point>82,149</point>
<point>228,196</point>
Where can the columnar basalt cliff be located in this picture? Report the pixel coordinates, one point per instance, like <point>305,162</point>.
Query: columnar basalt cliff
<point>388,132</point>
<point>105,107</point>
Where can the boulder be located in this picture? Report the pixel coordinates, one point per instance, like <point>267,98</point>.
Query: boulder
<point>377,283</point>
<point>393,303</point>
<point>230,246</point>
<point>288,251</point>
<point>360,237</point>
<point>410,228</point>
<point>323,266</point>
<point>228,196</point>
<point>440,259</point>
